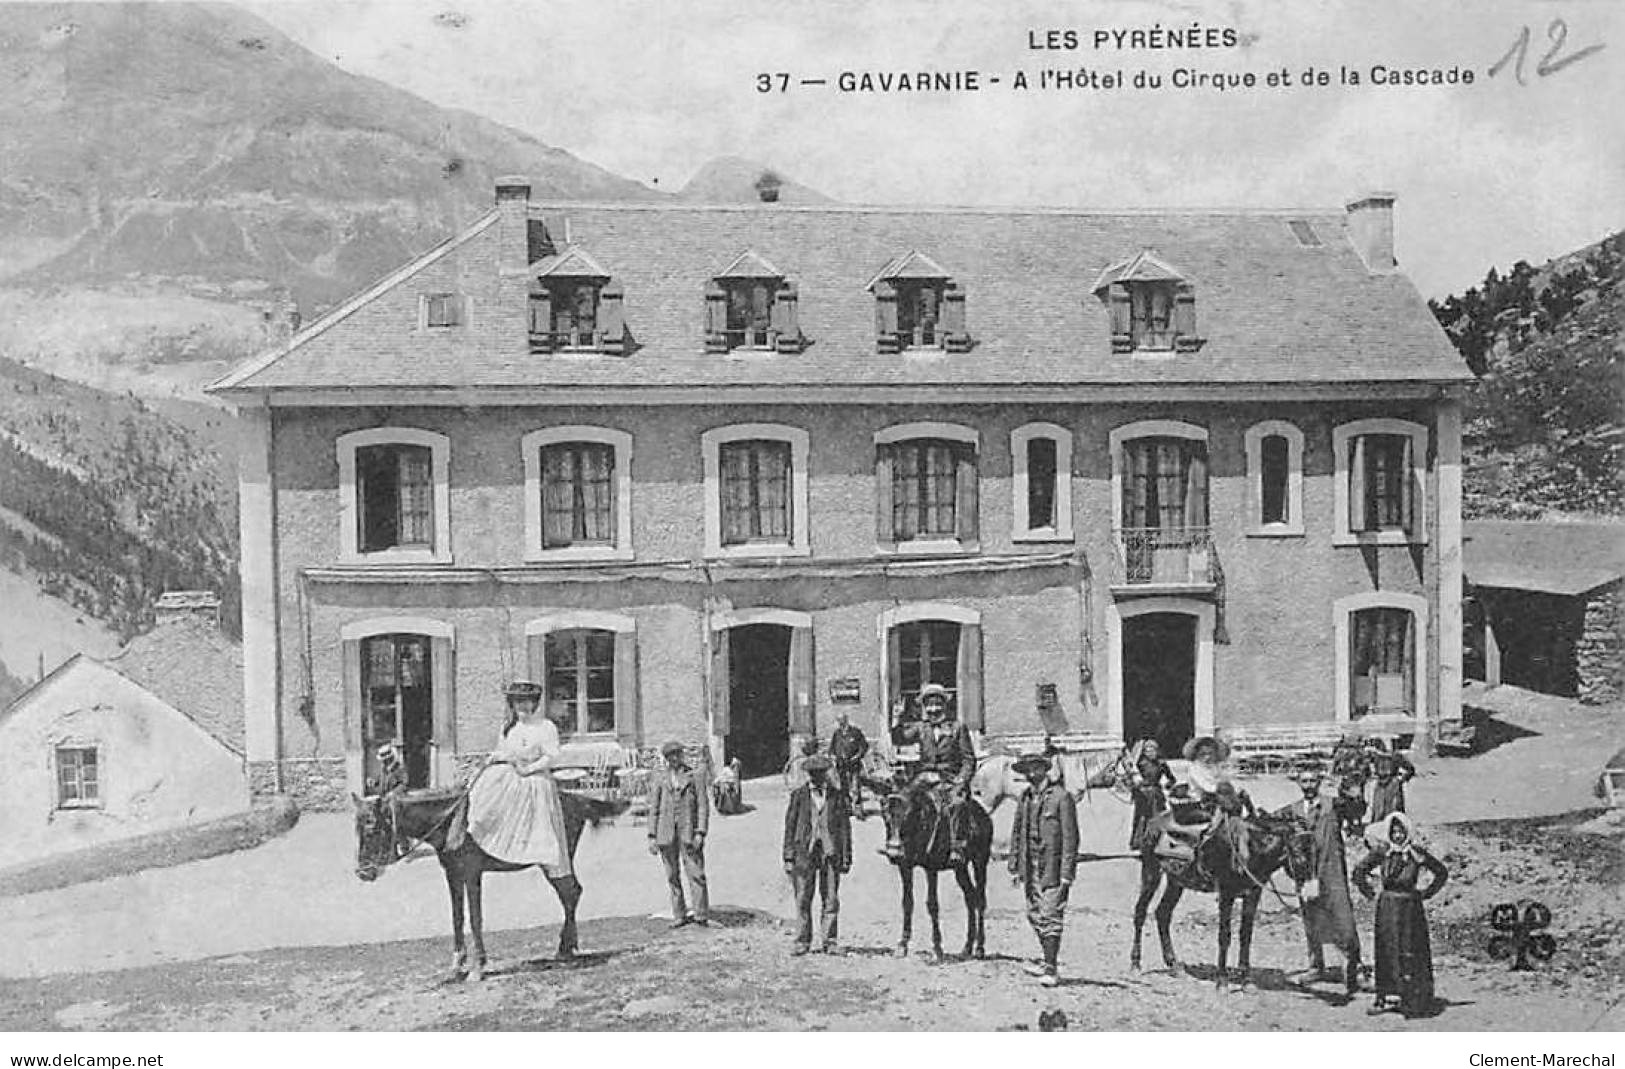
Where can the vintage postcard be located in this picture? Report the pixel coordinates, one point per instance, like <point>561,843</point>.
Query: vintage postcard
<point>856,517</point>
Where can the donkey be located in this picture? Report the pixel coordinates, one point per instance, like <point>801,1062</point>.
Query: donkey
<point>388,826</point>
<point>1273,842</point>
<point>915,828</point>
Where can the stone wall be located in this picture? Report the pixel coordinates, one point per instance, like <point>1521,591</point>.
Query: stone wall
<point>1599,654</point>
<point>316,783</point>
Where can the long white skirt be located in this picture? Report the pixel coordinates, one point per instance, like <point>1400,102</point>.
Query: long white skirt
<point>518,819</point>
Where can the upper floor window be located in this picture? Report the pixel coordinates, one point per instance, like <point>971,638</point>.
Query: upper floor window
<point>926,482</point>
<point>575,306</point>
<point>918,306</point>
<point>577,493</point>
<point>1160,482</point>
<point>1275,479</point>
<point>751,305</point>
<point>443,310</point>
<point>78,777</point>
<point>393,495</point>
<point>1152,306</point>
<point>1380,487</point>
<point>1042,504</point>
<point>755,490</point>
<point>1166,487</point>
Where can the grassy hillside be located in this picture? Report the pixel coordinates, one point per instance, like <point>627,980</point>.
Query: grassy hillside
<point>1545,423</point>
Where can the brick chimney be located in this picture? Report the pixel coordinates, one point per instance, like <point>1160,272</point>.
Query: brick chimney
<point>513,214</point>
<point>1371,230</point>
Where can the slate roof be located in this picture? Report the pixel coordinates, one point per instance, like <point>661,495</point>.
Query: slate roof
<point>1566,559</point>
<point>194,668</point>
<point>1272,310</point>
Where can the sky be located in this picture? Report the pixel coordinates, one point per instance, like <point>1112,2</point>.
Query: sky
<point>1485,174</point>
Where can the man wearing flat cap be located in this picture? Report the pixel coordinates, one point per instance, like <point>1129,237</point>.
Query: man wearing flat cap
<point>947,765</point>
<point>1328,908</point>
<point>817,851</point>
<point>1044,857</point>
<point>679,816</point>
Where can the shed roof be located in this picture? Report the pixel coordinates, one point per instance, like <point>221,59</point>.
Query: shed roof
<point>193,667</point>
<point>1566,559</point>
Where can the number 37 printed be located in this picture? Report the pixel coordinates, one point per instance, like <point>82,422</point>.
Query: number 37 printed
<point>1557,32</point>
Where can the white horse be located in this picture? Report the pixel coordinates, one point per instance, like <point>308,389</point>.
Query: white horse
<point>996,779</point>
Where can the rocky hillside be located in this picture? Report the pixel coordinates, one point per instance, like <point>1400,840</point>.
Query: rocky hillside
<point>1545,423</point>
<point>197,144</point>
<point>733,180</point>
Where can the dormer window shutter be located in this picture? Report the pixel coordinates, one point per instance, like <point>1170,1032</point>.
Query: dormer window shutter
<point>787,319</point>
<point>541,321</point>
<point>1119,303</point>
<point>716,317</point>
<point>1185,338</point>
<point>955,338</point>
<point>612,317</point>
<point>886,340</point>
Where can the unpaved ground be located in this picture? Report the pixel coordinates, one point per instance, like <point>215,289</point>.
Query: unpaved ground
<point>284,937</point>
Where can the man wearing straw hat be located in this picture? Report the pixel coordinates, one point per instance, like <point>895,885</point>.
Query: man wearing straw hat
<point>1328,908</point>
<point>1044,857</point>
<point>947,766</point>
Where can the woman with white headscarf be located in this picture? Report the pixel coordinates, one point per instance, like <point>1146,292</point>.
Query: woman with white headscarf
<point>1404,953</point>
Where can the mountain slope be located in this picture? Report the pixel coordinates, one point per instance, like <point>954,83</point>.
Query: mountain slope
<point>732,180</point>
<point>196,142</point>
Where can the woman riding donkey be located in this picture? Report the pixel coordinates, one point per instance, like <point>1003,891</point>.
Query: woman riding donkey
<point>513,805</point>
<point>946,767</point>
<point>1209,792</point>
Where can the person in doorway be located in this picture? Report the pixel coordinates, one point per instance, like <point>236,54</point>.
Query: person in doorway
<point>513,804</point>
<point>947,765</point>
<point>679,817</point>
<point>1044,857</point>
<point>848,747</point>
<point>817,852</point>
<point>1328,909</point>
<point>1404,952</point>
<point>1390,772</point>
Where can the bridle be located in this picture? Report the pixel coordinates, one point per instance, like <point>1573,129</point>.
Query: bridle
<point>386,812</point>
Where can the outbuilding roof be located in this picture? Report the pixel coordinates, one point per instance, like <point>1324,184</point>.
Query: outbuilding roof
<point>1272,310</point>
<point>1566,559</point>
<point>193,667</point>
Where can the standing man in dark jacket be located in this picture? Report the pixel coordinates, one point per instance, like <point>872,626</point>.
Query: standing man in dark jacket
<point>817,851</point>
<point>1328,908</point>
<point>679,816</point>
<point>848,747</point>
<point>947,766</point>
<point>1044,857</point>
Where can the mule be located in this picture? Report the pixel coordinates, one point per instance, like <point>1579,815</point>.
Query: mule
<point>915,829</point>
<point>1272,843</point>
<point>389,826</point>
<point>997,781</point>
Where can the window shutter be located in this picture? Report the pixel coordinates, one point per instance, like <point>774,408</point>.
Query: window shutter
<point>536,662</point>
<point>612,317</point>
<point>886,340</point>
<point>541,321</point>
<point>354,710</point>
<point>1408,495</point>
<point>955,338</point>
<point>1196,487</point>
<point>801,682</point>
<point>443,695</point>
<point>716,317</point>
<point>720,719</point>
<point>892,684</point>
<point>628,709</point>
<point>885,533</point>
<point>786,318</point>
<point>965,496</point>
<point>1357,485</point>
<point>1185,338</point>
<point>1117,301</point>
<point>970,677</point>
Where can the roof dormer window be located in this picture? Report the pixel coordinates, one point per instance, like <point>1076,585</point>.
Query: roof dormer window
<point>575,306</point>
<point>918,307</point>
<point>1152,306</point>
<point>750,306</point>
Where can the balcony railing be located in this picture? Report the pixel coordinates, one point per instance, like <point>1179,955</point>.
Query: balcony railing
<point>1167,556</point>
<point>564,341</point>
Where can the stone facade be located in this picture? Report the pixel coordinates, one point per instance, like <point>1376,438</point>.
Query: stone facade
<point>1599,655</point>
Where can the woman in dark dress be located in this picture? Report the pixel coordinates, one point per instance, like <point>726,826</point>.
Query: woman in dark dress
<point>1404,974</point>
<point>1148,773</point>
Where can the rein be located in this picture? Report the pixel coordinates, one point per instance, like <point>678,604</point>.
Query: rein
<point>401,846</point>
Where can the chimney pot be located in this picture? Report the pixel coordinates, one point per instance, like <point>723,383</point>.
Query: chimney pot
<point>513,187</point>
<point>1371,230</point>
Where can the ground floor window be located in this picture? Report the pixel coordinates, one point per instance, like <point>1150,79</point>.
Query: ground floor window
<point>1382,661</point>
<point>397,688</point>
<point>78,777</point>
<point>927,652</point>
<point>581,680</point>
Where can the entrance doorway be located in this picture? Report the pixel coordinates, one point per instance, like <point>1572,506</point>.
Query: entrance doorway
<point>397,688</point>
<point>1159,679</point>
<point>758,698</point>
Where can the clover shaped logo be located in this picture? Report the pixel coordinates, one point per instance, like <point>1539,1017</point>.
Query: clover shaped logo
<point>1520,933</point>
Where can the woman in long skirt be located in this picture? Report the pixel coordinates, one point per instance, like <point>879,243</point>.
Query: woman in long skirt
<point>513,805</point>
<point>1404,972</point>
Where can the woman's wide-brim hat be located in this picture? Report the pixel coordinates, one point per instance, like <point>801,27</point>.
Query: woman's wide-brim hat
<point>1377,833</point>
<point>1033,764</point>
<point>523,689</point>
<point>1219,748</point>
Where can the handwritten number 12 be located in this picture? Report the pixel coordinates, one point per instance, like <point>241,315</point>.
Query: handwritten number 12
<point>1557,32</point>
